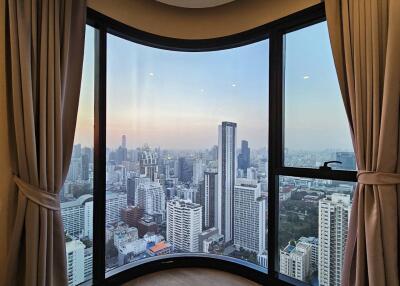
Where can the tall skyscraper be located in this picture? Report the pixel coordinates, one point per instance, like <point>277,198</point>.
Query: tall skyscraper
<point>249,216</point>
<point>348,160</point>
<point>334,214</point>
<point>207,197</point>
<point>123,141</point>
<point>130,191</point>
<point>226,179</point>
<point>244,157</point>
<point>184,225</point>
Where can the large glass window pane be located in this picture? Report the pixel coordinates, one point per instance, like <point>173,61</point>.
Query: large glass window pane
<point>316,127</point>
<point>313,227</point>
<point>187,141</point>
<point>77,192</point>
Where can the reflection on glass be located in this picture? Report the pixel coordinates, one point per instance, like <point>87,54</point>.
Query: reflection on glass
<point>314,216</point>
<point>77,192</point>
<point>186,152</point>
<point>316,128</point>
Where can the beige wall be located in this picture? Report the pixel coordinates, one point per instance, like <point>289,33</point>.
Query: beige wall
<point>165,20</point>
<point>5,167</point>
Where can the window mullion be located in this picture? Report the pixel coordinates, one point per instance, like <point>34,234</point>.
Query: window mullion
<point>99,195</point>
<point>275,154</point>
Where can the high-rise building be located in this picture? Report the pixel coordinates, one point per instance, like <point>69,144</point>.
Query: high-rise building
<point>130,191</point>
<point>88,220</point>
<point>77,216</point>
<point>88,265</point>
<point>123,143</point>
<point>226,179</point>
<point>115,202</point>
<point>75,252</point>
<point>334,214</point>
<point>132,188</point>
<point>214,153</point>
<point>77,151</point>
<point>208,192</point>
<point>313,243</point>
<point>85,167</point>
<point>131,215</point>
<point>148,161</point>
<point>147,225</point>
<point>198,171</point>
<point>187,193</point>
<point>151,197</point>
<point>249,216</point>
<point>251,173</point>
<point>121,155</point>
<point>183,225</point>
<point>295,261</point>
<point>348,160</point>
<point>244,156</point>
<point>75,169</point>
<point>185,170</point>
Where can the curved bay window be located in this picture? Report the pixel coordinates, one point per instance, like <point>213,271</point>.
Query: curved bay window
<point>186,159</point>
<point>211,153</point>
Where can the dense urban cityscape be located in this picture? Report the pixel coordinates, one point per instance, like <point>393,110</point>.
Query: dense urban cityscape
<point>162,201</point>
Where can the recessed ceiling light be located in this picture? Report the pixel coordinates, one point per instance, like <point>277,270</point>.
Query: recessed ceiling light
<point>306,77</point>
<point>233,84</point>
<point>151,74</point>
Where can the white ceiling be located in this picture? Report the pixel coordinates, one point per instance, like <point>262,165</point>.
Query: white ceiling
<point>195,3</point>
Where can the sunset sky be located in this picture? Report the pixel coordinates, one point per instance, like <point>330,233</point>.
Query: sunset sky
<point>177,99</point>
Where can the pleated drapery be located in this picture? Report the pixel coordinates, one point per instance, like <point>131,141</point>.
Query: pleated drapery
<point>46,45</point>
<point>365,40</point>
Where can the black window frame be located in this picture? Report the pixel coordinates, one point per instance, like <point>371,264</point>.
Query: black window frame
<point>275,32</point>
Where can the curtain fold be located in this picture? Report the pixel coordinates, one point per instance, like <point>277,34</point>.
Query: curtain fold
<point>365,40</point>
<point>46,44</point>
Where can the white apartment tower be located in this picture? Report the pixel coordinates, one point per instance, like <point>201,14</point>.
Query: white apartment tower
<point>75,252</point>
<point>226,179</point>
<point>184,225</point>
<point>77,216</point>
<point>151,197</point>
<point>249,216</point>
<point>115,202</point>
<point>334,214</point>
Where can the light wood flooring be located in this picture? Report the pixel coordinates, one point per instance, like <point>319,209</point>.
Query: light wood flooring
<point>191,277</point>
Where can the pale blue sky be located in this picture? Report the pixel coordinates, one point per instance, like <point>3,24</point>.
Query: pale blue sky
<point>177,99</point>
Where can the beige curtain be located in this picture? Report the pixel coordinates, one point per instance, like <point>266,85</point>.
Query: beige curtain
<point>46,43</point>
<point>365,39</point>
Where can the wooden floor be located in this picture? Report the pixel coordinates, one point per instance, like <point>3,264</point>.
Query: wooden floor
<point>191,277</point>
